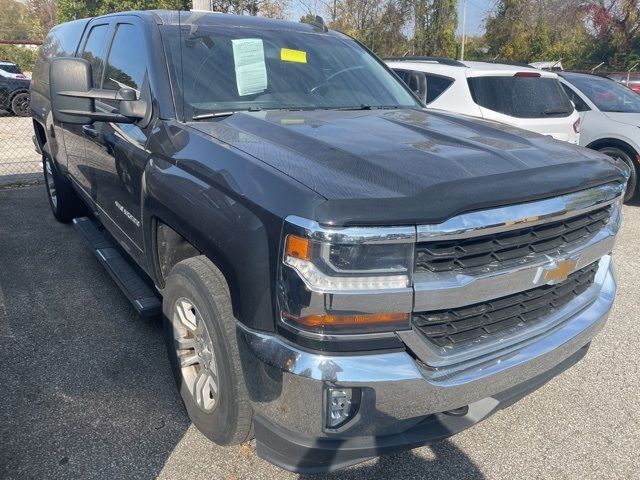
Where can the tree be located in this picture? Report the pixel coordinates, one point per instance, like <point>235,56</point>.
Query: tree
<point>308,18</point>
<point>533,30</point>
<point>379,24</point>
<point>17,22</point>
<point>73,9</point>
<point>435,23</point>
<point>273,8</point>
<point>45,12</point>
<point>615,26</point>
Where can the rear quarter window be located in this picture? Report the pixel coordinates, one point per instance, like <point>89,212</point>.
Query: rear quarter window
<point>521,97</point>
<point>436,84</point>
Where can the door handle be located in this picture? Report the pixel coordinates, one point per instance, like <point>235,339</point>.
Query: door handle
<point>90,131</point>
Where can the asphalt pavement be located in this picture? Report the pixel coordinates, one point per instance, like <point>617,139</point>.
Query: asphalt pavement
<point>86,390</point>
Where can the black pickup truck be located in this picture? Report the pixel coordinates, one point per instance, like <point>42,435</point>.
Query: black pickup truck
<point>341,274</point>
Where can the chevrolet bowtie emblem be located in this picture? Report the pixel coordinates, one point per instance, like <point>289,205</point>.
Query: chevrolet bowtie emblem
<point>561,272</point>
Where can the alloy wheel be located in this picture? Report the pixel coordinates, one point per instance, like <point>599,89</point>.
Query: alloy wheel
<point>21,104</point>
<point>196,355</point>
<point>51,184</point>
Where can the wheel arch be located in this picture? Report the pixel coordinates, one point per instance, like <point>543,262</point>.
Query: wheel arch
<point>40,134</point>
<point>615,142</point>
<point>171,245</point>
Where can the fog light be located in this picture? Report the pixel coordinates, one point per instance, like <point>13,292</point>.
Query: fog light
<point>339,406</point>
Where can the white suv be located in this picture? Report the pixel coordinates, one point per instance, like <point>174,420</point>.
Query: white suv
<point>520,96</point>
<point>610,115</point>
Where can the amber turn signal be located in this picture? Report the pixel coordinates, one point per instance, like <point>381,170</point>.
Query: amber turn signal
<point>298,247</point>
<point>315,321</point>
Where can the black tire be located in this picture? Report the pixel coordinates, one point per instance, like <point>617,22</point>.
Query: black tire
<point>629,158</point>
<point>20,105</point>
<point>63,200</point>
<point>198,280</point>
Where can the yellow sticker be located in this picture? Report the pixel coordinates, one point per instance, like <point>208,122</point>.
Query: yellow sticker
<point>288,55</point>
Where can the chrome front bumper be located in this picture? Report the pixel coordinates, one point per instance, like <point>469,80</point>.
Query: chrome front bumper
<point>287,385</point>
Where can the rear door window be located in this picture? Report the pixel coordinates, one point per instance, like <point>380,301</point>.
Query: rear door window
<point>521,96</point>
<point>94,51</point>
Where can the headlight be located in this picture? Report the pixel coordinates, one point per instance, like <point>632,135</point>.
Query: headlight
<point>348,280</point>
<point>326,267</point>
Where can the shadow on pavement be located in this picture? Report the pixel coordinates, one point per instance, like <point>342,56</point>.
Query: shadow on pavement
<point>87,390</point>
<point>449,462</point>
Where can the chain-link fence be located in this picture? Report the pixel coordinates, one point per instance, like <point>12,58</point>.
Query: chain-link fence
<point>19,162</point>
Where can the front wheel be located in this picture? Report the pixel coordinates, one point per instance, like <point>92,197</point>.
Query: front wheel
<point>200,334</point>
<point>623,155</point>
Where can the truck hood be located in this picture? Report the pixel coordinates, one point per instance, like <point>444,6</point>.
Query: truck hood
<point>410,166</point>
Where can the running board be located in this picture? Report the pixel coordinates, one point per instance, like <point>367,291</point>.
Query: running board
<point>140,294</point>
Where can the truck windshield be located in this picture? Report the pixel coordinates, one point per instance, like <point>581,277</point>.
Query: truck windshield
<point>226,69</point>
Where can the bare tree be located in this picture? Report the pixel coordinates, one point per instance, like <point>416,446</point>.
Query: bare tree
<point>45,12</point>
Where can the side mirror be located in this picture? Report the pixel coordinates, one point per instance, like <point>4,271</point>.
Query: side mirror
<point>73,98</point>
<point>66,76</point>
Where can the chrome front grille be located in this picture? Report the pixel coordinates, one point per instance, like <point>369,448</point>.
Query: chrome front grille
<point>472,322</point>
<point>485,281</point>
<point>513,245</point>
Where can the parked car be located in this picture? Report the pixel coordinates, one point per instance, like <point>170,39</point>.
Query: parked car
<point>340,272</point>
<point>10,70</point>
<point>552,66</point>
<point>14,90</point>
<point>520,96</point>
<point>610,117</point>
<point>631,81</point>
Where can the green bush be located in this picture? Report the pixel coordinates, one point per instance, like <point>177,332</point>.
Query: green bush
<point>24,57</point>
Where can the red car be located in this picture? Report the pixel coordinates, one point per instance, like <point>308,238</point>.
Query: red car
<point>634,80</point>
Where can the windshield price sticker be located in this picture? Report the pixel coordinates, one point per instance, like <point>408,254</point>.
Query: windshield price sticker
<point>251,71</point>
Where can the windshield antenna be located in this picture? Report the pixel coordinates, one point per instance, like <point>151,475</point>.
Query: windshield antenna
<point>181,62</point>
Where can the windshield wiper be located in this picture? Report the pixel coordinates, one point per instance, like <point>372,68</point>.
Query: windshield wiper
<point>205,116</point>
<point>365,106</point>
<point>555,111</point>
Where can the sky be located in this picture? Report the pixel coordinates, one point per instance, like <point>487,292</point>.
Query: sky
<point>477,11</point>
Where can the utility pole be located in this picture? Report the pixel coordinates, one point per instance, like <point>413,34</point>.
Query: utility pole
<point>464,28</point>
<point>629,72</point>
